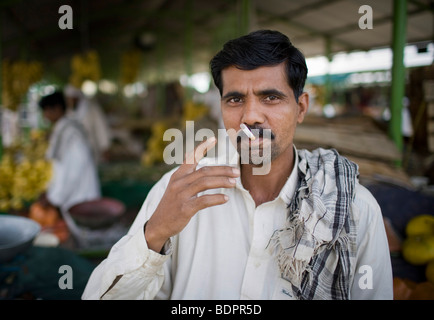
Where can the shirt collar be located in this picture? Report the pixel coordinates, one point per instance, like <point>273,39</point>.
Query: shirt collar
<point>290,185</point>
<point>288,189</point>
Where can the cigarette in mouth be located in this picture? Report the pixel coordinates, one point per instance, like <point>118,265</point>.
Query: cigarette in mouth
<point>247,131</point>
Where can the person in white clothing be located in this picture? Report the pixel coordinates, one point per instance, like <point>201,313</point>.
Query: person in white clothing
<point>89,113</point>
<point>75,177</point>
<point>306,229</point>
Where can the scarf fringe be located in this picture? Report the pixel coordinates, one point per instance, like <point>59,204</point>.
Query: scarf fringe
<point>284,245</point>
<point>293,269</point>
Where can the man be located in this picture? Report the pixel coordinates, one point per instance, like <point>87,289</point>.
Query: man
<point>305,230</point>
<point>94,121</point>
<point>75,179</point>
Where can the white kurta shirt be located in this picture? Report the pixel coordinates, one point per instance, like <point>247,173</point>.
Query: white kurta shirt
<point>223,252</point>
<point>75,177</point>
<point>90,114</point>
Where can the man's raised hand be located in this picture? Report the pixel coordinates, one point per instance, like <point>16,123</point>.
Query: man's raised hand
<point>181,202</point>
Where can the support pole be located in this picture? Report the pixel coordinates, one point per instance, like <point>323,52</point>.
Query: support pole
<point>328,84</point>
<point>1,83</point>
<point>188,46</point>
<point>161,83</point>
<point>398,71</point>
<point>245,17</point>
<point>84,25</point>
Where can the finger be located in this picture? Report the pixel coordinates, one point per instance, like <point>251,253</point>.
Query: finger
<point>207,200</point>
<point>199,152</point>
<point>211,172</point>
<point>207,183</point>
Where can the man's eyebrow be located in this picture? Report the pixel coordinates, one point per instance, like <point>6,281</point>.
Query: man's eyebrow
<point>271,92</point>
<point>265,92</point>
<point>232,94</point>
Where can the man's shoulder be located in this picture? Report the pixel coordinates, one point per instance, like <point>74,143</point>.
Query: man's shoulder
<point>156,192</point>
<point>71,124</point>
<point>366,204</point>
<point>326,154</point>
<point>164,180</point>
<point>362,194</point>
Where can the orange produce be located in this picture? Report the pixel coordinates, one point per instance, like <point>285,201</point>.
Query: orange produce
<point>45,216</point>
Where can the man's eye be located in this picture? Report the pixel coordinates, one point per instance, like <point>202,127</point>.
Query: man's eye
<point>234,100</point>
<point>271,98</point>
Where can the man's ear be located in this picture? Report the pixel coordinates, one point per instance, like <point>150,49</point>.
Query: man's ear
<point>303,106</point>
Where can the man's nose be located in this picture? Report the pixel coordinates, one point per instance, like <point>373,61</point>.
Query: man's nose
<point>252,113</point>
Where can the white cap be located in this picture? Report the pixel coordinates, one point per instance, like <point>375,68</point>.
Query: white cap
<point>72,92</point>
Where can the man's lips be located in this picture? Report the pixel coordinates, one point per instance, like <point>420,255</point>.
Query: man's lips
<point>259,134</point>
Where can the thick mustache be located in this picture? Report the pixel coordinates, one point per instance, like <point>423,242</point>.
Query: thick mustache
<point>257,131</point>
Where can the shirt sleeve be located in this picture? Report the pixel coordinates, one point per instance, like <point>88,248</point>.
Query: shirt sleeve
<point>373,278</point>
<point>131,270</point>
<point>102,131</point>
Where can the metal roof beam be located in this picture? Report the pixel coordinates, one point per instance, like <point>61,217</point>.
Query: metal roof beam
<point>378,21</point>
<point>8,3</point>
<point>423,6</point>
<point>311,32</point>
<point>353,27</point>
<point>304,9</point>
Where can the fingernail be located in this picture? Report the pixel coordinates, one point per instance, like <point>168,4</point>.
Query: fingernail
<point>226,198</point>
<point>232,180</point>
<point>236,171</point>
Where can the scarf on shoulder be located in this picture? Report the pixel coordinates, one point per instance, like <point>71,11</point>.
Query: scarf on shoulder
<point>317,247</point>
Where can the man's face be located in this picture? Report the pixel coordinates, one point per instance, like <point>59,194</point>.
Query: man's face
<point>262,99</point>
<point>53,113</point>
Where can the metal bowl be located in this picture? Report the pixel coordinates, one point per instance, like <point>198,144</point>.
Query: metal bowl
<point>99,213</point>
<point>16,235</point>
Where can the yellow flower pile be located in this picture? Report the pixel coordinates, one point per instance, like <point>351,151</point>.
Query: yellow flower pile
<point>130,65</point>
<point>156,145</point>
<point>24,173</point>
<point>193,111</point>
<point>17,77</point>
<point>85,66</point>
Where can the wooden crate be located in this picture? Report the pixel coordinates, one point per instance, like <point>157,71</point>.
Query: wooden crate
<point>428,88</point>
<point>430,109</point>
<point>430,133</point>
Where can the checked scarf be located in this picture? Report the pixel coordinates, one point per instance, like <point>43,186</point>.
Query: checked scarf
<point>317,247</point>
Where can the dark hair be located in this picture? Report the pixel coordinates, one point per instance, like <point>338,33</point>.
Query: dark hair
<point>52,100</point>
<point>261,48</point>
